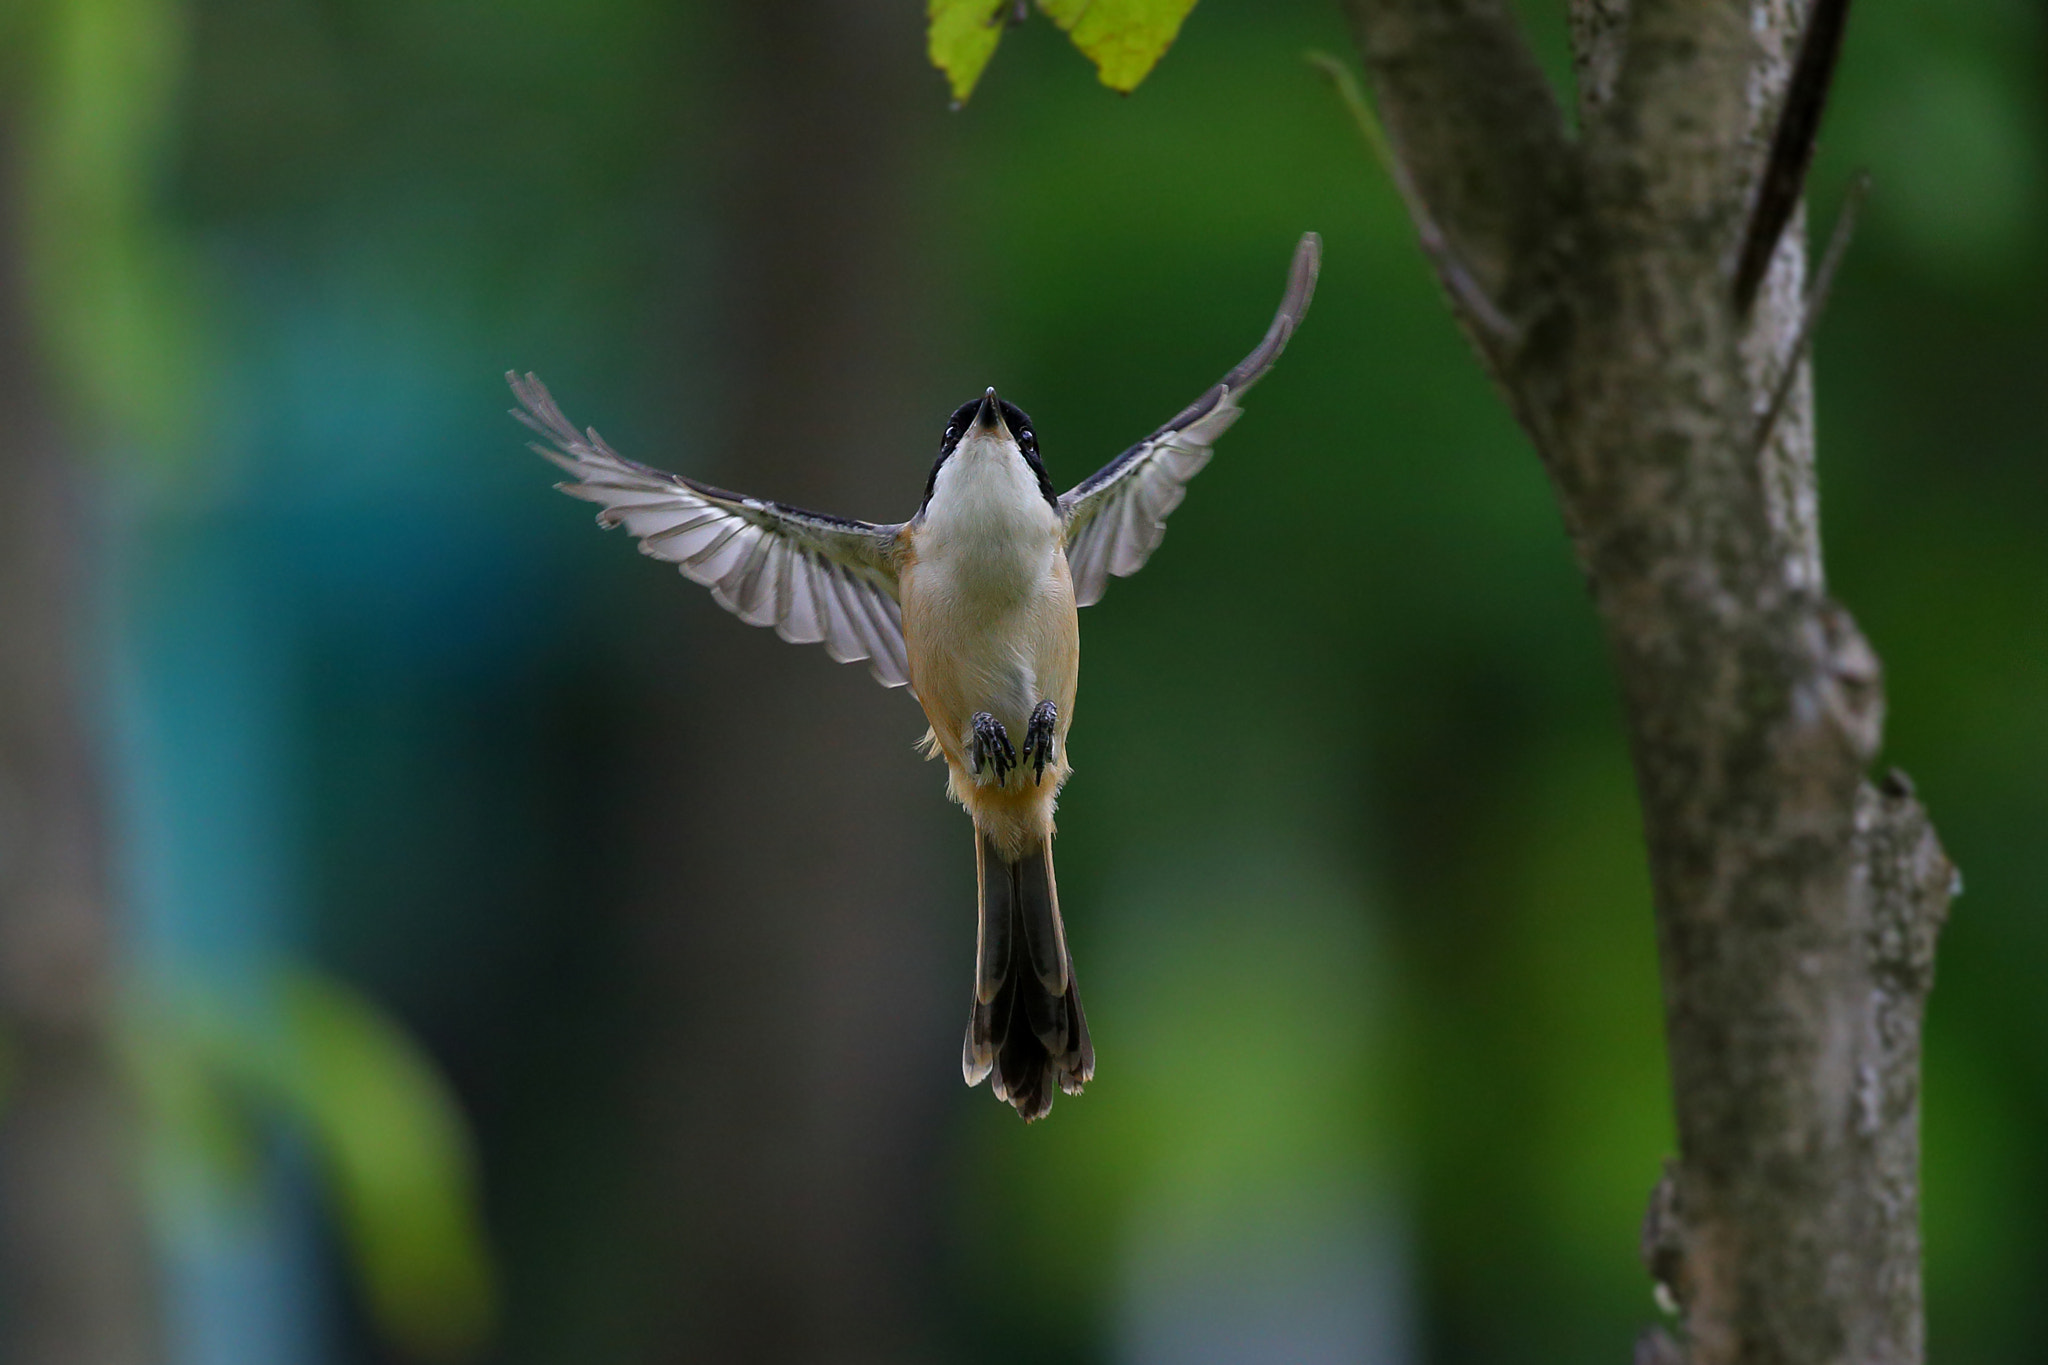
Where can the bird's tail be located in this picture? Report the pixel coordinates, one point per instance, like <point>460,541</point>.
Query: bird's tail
<point>1026,1029</point>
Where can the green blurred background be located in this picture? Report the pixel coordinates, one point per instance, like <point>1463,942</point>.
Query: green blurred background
<point>529,963</point>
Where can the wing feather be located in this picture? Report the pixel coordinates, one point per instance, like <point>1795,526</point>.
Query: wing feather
<point>1116,516</point>
<point>803,623</point>
<point>728,552</point>
<point>845,639</point>
<point>739,590</point>
<point>814,578</point>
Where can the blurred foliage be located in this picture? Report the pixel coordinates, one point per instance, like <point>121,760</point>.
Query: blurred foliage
<point>394,1160</point>
<point>1124,38</point>
<point>115,288</point>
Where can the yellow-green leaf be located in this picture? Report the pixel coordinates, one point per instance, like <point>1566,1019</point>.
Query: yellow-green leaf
<point>1124,38</point>
<point>961,38</point>
<point>396,1153</point>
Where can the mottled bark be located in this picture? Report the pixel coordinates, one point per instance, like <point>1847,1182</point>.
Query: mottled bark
<point>1796,903</point>
<point>794,910</point>
<point>74,1280</point>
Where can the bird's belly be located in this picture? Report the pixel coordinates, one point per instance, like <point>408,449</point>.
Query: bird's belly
<point>996,638</point>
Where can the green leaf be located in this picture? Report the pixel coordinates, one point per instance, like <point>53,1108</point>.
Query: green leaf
<point>1124,38</point>
<point>393,1152</point>
<point>397,1160</point>
<point>119,302</point>
<point>961,37</point>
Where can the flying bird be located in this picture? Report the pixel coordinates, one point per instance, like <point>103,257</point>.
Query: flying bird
<point>971,603</point>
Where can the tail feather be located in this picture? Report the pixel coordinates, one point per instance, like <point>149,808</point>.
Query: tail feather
<point>998,889</point>
<point>1074,1077</point>
<point>1025,1027</point>
<point>1038,909</point>
<point>978,1057</point>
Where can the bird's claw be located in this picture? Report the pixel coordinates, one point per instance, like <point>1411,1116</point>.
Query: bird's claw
<point>1038,739</point>
<point>990,748</point>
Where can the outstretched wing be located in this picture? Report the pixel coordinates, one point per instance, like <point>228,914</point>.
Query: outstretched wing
<point>1116,516</point>
<point>813,577</point>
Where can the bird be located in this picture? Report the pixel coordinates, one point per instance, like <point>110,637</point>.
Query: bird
<point>971,603</point>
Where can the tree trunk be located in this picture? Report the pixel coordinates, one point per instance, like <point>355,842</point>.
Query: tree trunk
<point>1796,903</point>
<point>792,911</point>
<point>74,1279</point>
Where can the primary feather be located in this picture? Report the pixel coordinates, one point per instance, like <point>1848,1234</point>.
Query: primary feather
<point>1116,516</point>
<point>815,578</point>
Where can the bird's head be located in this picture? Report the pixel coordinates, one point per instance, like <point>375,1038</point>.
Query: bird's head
<point>988,426</point>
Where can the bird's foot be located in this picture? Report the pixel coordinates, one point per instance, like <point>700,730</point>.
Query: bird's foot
<point>1038,739</point>
<point>990,751</point>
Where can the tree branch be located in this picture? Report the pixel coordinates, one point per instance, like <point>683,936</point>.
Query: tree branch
<point>1784,177</point>
<point>1599,40</point>
<point>1786,1230</point>
<point>1470,115</point>
<point>1794,364</point>
<point>1906,883</point>
<point>1451,271</point>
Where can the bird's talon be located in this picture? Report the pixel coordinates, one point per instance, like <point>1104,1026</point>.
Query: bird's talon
<point>991,748</point>
<point>1038,739</point>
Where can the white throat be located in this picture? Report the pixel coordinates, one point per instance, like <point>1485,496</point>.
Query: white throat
<point>986,490</point>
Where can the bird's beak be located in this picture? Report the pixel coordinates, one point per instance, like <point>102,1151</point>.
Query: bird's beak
<point>989,416</point>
